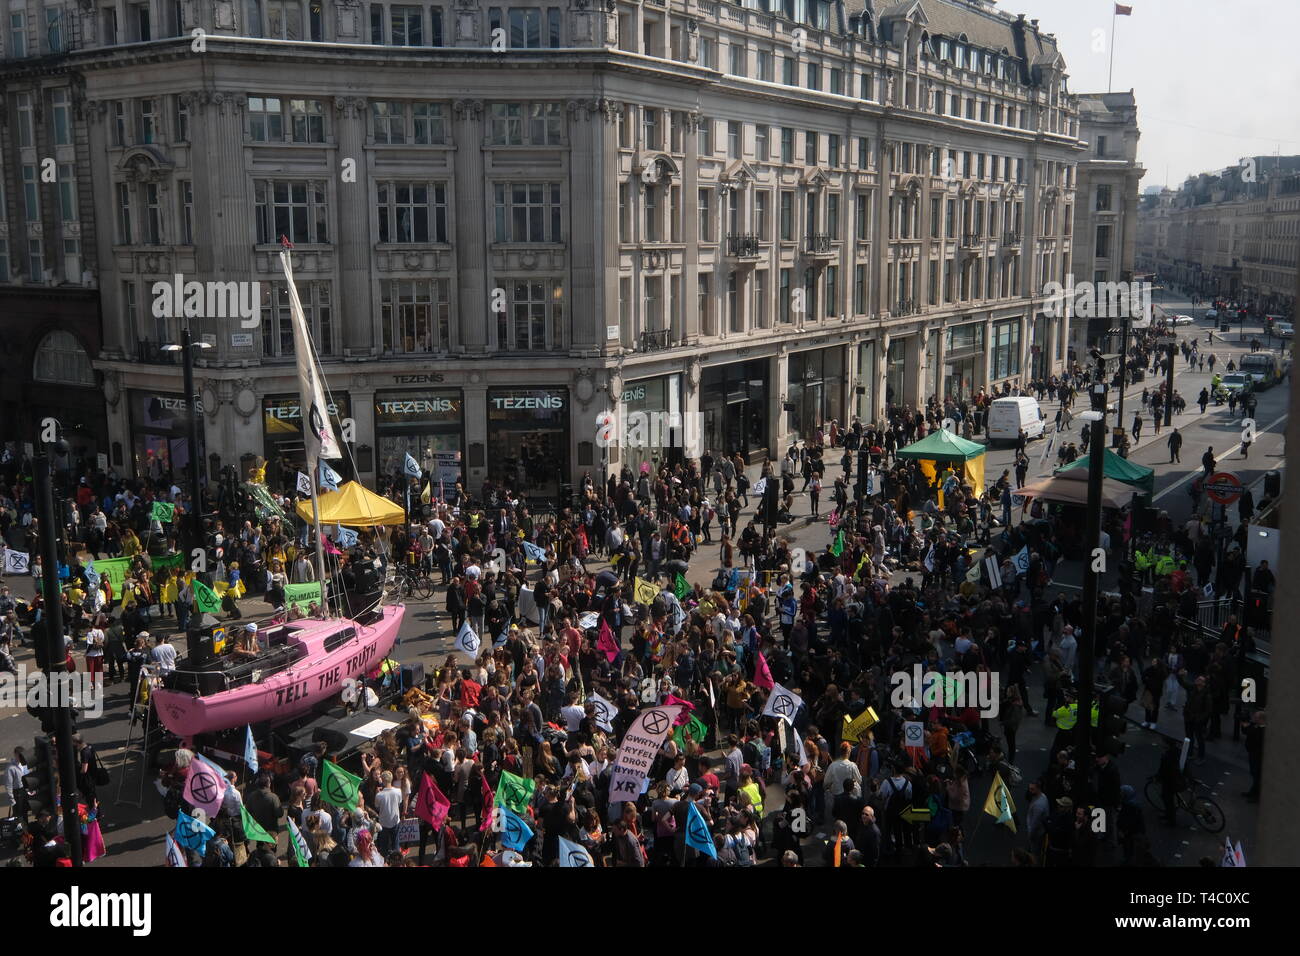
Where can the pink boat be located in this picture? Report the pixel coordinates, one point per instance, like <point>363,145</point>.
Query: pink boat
<point>306,665</point>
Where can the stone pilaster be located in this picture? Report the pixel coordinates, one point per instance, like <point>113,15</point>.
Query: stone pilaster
<point>471,240</point>
<point>352,230</point>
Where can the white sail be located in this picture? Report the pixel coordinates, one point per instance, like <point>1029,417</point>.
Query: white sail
<point>317,432</point>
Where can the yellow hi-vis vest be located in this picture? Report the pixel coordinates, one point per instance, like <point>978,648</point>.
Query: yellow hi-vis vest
<point>755,794</point>
<point>1066,717</point>
<point>1165,564</point>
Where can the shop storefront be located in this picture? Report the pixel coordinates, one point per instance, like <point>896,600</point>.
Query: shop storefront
<point>896,372</point>
<point>160,435</point>
<point>428,425</point>
<point>1006,350</point>
<point>282,440</point>
<point>1038,357</point>
<point>733,399</point>
<point>528,439</point>
<point>963,366</point>
<point>815,386</point>
<point>866,382</point>
<point>650,420</point>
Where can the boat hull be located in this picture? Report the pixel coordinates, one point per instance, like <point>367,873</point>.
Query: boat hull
<point>284,695</point>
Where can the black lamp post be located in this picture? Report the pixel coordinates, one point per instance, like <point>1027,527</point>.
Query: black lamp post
<point>186,348</point>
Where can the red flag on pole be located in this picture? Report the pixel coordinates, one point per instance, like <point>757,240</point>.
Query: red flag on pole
<point>1123,11</point>
<point>686,706</point>
<point>489,798</point>
<point>606,642</point>
<point>431,805</point>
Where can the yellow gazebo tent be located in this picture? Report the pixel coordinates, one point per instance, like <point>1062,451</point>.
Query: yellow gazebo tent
<point>355,506</point>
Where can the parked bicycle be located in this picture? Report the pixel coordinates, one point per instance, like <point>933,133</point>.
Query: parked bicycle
<point>1195,799</point>
<point>414,582</point>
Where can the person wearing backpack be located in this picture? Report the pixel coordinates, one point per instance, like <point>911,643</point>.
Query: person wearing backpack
<point>897,793</point>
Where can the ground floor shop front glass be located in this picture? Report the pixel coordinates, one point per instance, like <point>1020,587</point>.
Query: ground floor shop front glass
<point>734,402</point>
<point>528,440</point>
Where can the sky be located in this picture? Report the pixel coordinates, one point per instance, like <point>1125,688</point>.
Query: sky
<point>1214,81</point>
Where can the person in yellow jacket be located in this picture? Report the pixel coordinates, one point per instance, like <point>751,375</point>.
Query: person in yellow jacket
<point>751,790</point>
<point>1066,716</point>
<point>130,544</point>
<point>1165,565</point>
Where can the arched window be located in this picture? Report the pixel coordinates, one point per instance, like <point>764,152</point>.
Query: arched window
<point>60,360</point>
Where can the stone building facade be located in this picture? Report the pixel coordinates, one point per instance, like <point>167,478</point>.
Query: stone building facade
<point>510,220</point>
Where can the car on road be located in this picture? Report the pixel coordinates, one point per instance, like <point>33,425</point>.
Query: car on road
<point>1284,330</point>
<point>1265,368</point>
<point>1236,381</point>
<point>1211,313</point>
<point>1184,320</point>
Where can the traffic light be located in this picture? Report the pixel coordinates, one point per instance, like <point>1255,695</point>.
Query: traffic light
<point>1113,725</point>
<point>40,782</point>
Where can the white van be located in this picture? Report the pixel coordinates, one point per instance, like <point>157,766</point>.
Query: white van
<point>1007,416</point>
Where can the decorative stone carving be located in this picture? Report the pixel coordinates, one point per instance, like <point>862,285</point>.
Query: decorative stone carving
<point>412,261</point>
<point>350,106</point>
<point>583,385</point>
<point>112,387</point>
<point>360,381</point>
<point>528,260</point>
<point>614,382</point>
<point>611,109</point>
<point>223,12</point>
<point>693,374</point>
<point>347,18</point>
<point>211,403</point>
<point>228,102</point>
<point>468,109</point>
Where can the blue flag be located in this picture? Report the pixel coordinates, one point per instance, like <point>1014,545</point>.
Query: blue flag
<point>192,834</point>
<point>64,571</point>
<point>734,581</point>
<point>501,638</point>
<point>92,576</point>
<point>346,536</point>
<point>698,834</point>
<point>533,553</point>
<point>411,467</point>
<point>515,831</point>
<point>250,749</point>
<point>329,478</point>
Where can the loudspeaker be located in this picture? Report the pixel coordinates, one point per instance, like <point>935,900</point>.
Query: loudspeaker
<point>413,674</point>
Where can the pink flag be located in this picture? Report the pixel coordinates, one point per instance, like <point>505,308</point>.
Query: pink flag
<point>431,806</point>
<point>685,705</point>
<point>329,547</point>
<point>763,674</point>
<point>205,787</point>
<point>489,798</point>
<point>606,642</point>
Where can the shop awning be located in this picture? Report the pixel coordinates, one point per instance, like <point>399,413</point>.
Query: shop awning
<point>1115,466</point>
<point>1114,494</point>
<point>354,505</point>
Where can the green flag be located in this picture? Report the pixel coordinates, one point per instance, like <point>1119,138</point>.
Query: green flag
<point>681,587</point>
<point>301,854</point>
<point>338,787</point>
<point>515,792</point>
<point>698,730</point>
<point>160,562</point>
<point>252,829</point>
<point>205,598</point>
<point>302,596</point>
<point>838,547</point>
<point>164,511</point>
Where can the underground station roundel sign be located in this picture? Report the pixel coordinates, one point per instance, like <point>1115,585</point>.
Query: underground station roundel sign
<point>1224,487</point>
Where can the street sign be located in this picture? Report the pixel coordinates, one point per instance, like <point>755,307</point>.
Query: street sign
<point>1223,487</point>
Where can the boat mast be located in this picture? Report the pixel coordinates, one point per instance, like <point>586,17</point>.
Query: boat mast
<point>320,540</point>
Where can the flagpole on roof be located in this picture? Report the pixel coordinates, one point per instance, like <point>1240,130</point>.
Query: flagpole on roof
<point>1110,87</point>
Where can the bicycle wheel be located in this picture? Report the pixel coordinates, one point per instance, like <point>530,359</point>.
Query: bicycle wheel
<point>423,587</point>
<point>1208,814</point>
<point>1153,794</point>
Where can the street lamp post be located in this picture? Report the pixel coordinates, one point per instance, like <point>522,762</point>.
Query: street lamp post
<point>1096,419</point>
<point>186,348</point>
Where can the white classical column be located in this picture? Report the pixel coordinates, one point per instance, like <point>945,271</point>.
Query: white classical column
<point>470,217</point>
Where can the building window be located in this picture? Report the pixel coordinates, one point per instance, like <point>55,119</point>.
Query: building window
<point>412,212</point>
<point>814,76</point>
<point>31,193</point>
<point>833,215</point>
<point>837,81</point>
<point>1101,146</point>
<point>832,291</point>
<point>735,318</point>
<point>832,150</point>
<point>182,120</point>
<point>67,193</point>
<point>708,53</point>
<point>761,201</point>
<point>787,145</point>
<point>737,51</point>
<point>62,117</point>
<point>17,35</point>
<point>1103,198</point>
<point>186,188</point>
<point>706,216</point>
<point>859,290</point>
<point>120,135</point>
<point>507,126</point>
<point>704,143</point>
<point>123,214</point>
<point>810,149</point>
<point>1006,349</point>
<point>283,19</point>
<point>527,212</point>
<point>297,209</point>
<point>761,134</point>
<point>534,317</point>
<point>308,118</point>
<point>735,133</point>
<point>277,317</point>
<point>525,26</point>
<point>704,298</point>
<point>1103,242</point>
<point>787,216</point>
<point>26,120</point>
<point>35,260</point>
<point>415,315</point>
<point>54,30</point>
<point>60,360</point>
<point>862,217</point>
<point>407,25</point>
<point>783,296</point>
<point>649,127</point>
<point>152,223</point>
<point>765,66</point>
<point>867,86</point>
<point>265,119</point>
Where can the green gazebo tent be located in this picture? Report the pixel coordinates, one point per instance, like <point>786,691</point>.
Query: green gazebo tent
<point>1119,468</point>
